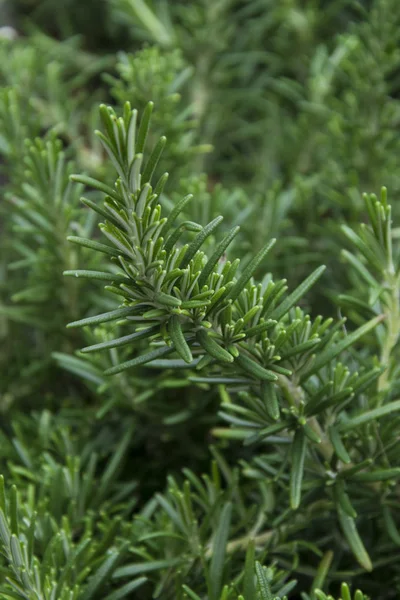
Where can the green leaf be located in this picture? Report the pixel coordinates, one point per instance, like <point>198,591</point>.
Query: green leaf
<point>299,349</point>
<point>71,563</point>
<point>173,515</point>
<point>79,367</point>
<point>112,315</point>
<point>133,569</point>
<point>101,211</point>
<point>111,469</point>
<point>346,300</point>
<point>144,128</point>
<point>345,592</point>
<point>14,510</point>
<point>158,190</point>
<point>16,553</point>
<point>298,293</point>
<point>126,589</point>
<point>5,533</point>
<point>378,475</point>
<point>167,300</point>
<point>264,588</point>
<point>369,415</point>
<point>322,571</point>
<point>352,536</point>
<point>270,399</point>
<point>122,341</point>
<point>298,453</point>
<point>255,369</point>
<point>2,495</point>
<point>140,360</point>
<point>221,537</point>
<point>249,587</point>
<point>260,328</point>
<point>199,241</point>
<point>311,434</point>
<point>357,264</point>
<point>248,272</point>
<point>178,339</point>
<point>316,405</point>
<point>100,275</point>
<point>391,526</point>
<point>338,445</point>
<point>190,593</point>
<point>154,26</point>
<point>103,573</point>
<point>94,245</point>
<point>343,500</point>
<point>348,472</point>
<point>334,350</point>
<point>175,212</point>
<point>94,183</point>
<point>373,254</point>
<point>222,246</point>
<point>153,160</point>
<point>211,346</point>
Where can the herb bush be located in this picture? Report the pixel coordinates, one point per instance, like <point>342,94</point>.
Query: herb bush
<point>199,300</point>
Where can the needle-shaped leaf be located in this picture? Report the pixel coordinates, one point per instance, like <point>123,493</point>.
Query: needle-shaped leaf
<point>178,208</point>
<point>153,160</point>
<point>96,582</point>
<point>391,526</point>
<point>178,339</point>
<point>334,350</point>
<point>94,183</point>
<point>167,300</point>
<point>125,590</point>
<point>370,415</point>
<point>199,241</point>
<point>378,475</point>
<point>216,256</point>
<point>270,399</point>
<point>79,367</point>
<point>338,445</point>
<point>221,537</point>
<point>100,210</point>
<point>100,275</point>
<point>122,341</point>
<point>323,570</point>
<point>248,272</point>
<point>298,293</point>
<point>263,585</point>
<point>255,369</point>
<point>211,346</point>
<point>94,245</point>
<point>298,454</point>
<point>191,594</point>
<point>157,29</point>
<point>112,315</point>
<point>249,585</point>
<point>140,360</point>
<point>14,510</point>
<point>343,500</point>
<point>133,569</point>
<point>114,464</point>
<point>144,128</point>
<point>349,529</point>
<point>2,495</point>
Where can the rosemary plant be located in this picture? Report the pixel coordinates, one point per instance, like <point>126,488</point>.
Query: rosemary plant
<point>199,302</point>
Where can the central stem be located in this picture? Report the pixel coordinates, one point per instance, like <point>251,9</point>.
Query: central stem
<point>392,321</point>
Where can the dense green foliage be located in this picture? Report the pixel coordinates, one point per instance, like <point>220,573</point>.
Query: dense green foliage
<point>199,299</point>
